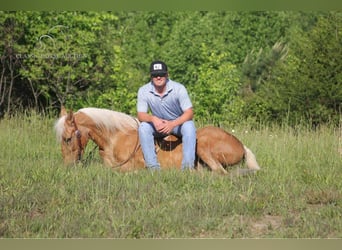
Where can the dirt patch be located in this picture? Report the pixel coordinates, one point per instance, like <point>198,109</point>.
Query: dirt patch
<point>266,224</point>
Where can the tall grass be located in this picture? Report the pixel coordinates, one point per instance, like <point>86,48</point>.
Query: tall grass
<point>297,194</point>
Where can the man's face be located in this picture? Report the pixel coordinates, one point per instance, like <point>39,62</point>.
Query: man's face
<point>159,80</point>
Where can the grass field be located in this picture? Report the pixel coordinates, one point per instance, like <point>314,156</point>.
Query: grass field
<point>297,194</point>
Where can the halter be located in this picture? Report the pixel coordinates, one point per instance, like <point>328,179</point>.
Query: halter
<point>78,136</point>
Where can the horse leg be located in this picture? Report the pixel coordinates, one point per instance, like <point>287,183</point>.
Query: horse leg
<point>127,167</point>
<point>199,166</point>
<point>215,165</point>
<point>106,157</point>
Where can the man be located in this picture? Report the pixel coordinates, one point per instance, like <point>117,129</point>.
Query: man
<point>171,112</point>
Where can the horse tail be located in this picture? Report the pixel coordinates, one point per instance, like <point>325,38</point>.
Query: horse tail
<point>250,159</point>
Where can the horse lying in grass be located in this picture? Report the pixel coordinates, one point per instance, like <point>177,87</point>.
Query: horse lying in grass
<point>116,135</point>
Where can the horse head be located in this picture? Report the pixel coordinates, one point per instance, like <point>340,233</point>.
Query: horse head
<point>72,136</point>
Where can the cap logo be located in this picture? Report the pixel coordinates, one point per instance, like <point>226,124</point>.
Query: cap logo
<point>157,66</point>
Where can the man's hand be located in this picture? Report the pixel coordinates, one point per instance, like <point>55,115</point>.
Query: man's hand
<point>163,126</point>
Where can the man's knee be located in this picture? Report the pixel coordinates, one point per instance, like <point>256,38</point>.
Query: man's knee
<point>188,129</point>
<point>145,128</point>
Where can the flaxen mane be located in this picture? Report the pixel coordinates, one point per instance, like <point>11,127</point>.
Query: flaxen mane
<point>103,118</point>
<point>59,128</point>
<point>110,119</point>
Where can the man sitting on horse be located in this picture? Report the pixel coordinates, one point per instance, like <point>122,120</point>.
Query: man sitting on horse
<point>171,112</point>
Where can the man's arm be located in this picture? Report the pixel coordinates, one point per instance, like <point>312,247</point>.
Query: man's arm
<point>146,117</point>
<point>186,116</point>
<point>164,126</point>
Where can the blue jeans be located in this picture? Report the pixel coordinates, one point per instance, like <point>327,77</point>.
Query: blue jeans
<point>187,131</point>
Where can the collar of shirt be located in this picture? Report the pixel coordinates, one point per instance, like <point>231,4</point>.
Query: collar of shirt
<point>168,88</point>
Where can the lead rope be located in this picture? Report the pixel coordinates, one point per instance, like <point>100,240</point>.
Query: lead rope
<point>136,148</point>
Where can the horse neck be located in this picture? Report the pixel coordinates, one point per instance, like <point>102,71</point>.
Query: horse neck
<point>91,130</point>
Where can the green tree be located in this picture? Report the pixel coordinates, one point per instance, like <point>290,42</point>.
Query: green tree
<point>308,84</point>
<point>66,55</point>
<point>11,36</point>
<point>258,65</point>
<point>215,93</point>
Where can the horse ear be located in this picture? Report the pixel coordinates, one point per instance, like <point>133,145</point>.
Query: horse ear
<point>63,111</point>
<point>70,115</point>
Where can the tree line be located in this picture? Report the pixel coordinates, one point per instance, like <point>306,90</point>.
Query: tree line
<point>263,66</point>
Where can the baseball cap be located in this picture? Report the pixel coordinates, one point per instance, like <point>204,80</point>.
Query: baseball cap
<point>158,67</point>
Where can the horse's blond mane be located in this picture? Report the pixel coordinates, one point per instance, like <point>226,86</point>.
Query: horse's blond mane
<point>111,119</point>
<point>104,118</point>
<point>59,128</point>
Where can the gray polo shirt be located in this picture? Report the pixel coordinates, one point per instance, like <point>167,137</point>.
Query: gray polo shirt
<point>170,106</point>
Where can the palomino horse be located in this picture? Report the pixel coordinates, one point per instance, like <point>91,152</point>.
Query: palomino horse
<point>116,135</point>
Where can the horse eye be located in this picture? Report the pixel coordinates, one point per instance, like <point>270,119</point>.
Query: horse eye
<point>67,140</point>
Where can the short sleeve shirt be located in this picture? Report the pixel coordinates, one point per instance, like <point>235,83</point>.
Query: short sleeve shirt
<point>169,106</point>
